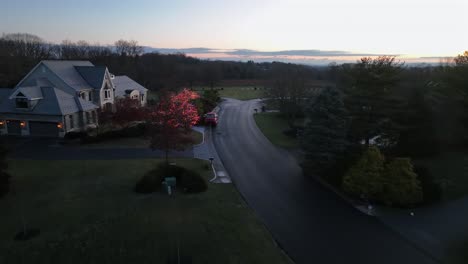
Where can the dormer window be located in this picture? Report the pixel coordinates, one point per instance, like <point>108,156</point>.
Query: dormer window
<point>21,101</point>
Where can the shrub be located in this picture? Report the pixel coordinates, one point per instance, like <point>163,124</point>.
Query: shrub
<point>211,95</point>
<point>432,192</point>
<point>192,182</point>
<point>150,182</point>
<point>188,181</point>
<point>138,130</point>
<point>75,135</point>
<point>402,187</point>
<point>365,177</point>
<point>294,132</point>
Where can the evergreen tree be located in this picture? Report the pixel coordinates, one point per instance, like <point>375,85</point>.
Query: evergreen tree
<point>418,134</point>
<point>370,99</point>
<point>402,187</point>
<point>365,179</point>
<point>324,137</point>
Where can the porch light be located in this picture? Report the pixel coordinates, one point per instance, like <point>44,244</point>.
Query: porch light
<point>2,123</point>
<point>59,125</point>
<point>22,124</point>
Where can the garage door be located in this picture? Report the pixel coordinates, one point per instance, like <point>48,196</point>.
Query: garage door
<point>14,127</point>
<point>46,129</point>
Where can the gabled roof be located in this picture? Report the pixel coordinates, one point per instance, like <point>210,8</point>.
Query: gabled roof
<point>54,102</point>
<point>93,75</point>
<point>123,84</point>
<point>30,92</point>
<point>86,105</point>
<point>66,71</point>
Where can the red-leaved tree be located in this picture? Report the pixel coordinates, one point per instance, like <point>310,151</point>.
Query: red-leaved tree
<point>172,120</point>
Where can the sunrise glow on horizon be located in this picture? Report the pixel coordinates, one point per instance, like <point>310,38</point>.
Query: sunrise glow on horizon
<point>411,28</point>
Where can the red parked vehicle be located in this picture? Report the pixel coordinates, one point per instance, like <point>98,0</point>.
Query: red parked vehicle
<point>211,118</point>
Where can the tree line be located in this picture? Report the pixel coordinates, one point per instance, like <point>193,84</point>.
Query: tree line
<point>19,52</point>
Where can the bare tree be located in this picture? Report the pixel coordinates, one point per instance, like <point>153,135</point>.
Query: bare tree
<point>27,45</point>
<point>289,89</point>
<point>128,48</point>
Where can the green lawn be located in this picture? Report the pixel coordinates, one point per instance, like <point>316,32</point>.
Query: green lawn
<point>238,92</point>
<point>272,126</point>
<point>136,142</point>
<point>87,213</point>
<point>451,171</point>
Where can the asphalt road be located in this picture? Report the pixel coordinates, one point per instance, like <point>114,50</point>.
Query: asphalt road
<point>311,223</point>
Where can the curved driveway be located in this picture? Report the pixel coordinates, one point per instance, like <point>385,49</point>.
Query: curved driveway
<point>311,224</point>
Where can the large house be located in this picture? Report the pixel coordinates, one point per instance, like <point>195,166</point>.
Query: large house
<point>57,97</point>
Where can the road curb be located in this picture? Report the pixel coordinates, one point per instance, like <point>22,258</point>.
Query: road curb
<point>361,208</point>
<point>203,137</point>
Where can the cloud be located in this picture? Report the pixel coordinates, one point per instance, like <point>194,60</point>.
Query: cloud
<point>303,53</point>
<point>248,52</point>
<point>309,57</point>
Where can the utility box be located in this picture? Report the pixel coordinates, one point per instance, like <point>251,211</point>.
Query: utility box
<point>170,183</point>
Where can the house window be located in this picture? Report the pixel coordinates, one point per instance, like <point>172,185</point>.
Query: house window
<point>83,95</point>
<point>22,103</point>
<point>93,116</point>
<point>90,96</point>
<point>107,94</point>
<point>142,97</point>
<point>72,124</point>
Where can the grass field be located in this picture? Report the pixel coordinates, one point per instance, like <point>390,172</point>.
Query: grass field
<point>136,142</point>
<point>272,126</point>
<point>238,92</point>
<point>87,213</point>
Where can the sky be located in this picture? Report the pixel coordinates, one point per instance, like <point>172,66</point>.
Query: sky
<point>409,28</point>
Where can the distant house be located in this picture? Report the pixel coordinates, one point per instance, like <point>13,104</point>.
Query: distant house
<point>57,97</point>
<point>128,88</point>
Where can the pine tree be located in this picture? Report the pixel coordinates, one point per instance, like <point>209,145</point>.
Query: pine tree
<point>370,100</point>
<point>324,137</point>
<point>402,187</point>
<point>418,134</point>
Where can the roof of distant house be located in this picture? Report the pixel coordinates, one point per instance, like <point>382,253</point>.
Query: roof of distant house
<point>123,84</point>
